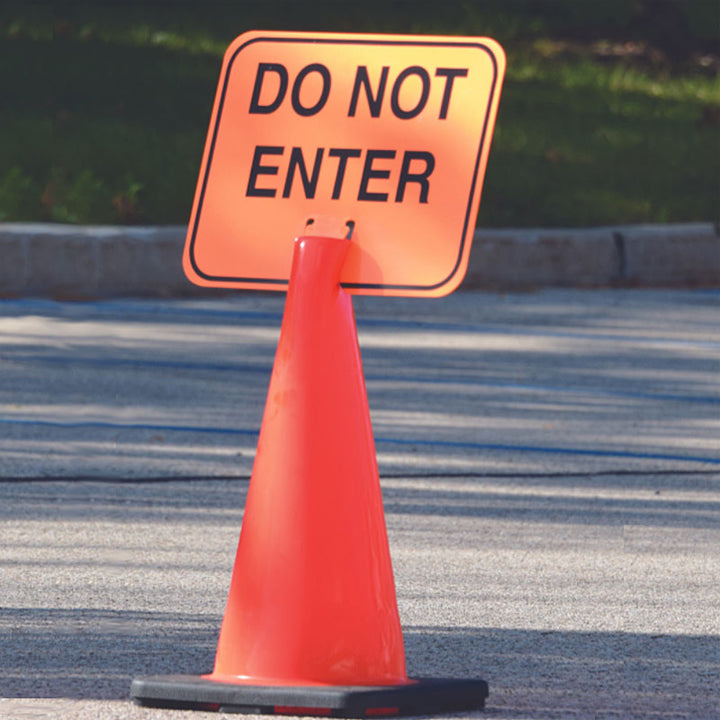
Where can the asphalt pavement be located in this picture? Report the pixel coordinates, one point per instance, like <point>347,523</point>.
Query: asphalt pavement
<point>550,465</point>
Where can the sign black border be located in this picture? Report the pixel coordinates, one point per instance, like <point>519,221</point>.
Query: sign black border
<point>345,41</point>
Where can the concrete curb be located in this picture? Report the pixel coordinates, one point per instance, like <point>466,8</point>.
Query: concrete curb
<point>82,262</point>
<point>672,256</point>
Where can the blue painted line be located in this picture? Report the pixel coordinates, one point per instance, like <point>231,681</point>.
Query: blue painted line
<point>549,450</point>
<point>634,394</point>
<point>132,363</point>
<point>99,425</point>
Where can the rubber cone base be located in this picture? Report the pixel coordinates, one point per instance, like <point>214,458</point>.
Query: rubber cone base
<point>420,697</point>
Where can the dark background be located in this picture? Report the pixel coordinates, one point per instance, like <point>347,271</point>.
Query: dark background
<point>610,111</point>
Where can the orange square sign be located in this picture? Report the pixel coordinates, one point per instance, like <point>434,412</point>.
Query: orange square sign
<point>388,132</point>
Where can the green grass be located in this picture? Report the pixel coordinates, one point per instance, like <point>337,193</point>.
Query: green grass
<point>104,108</point>
<point>584,143</point>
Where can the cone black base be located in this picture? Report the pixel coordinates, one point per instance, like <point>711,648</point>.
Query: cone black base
<point>421,697</point>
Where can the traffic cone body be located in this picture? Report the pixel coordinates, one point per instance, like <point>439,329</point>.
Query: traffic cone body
<point>312,596</point>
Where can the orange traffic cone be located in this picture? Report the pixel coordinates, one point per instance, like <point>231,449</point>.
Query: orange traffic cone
<point>312,597</point>
<point>311,624</point>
